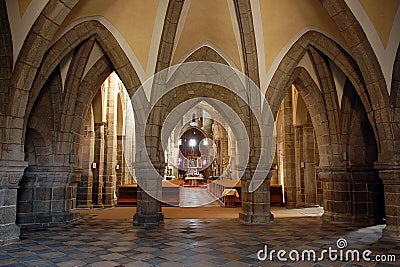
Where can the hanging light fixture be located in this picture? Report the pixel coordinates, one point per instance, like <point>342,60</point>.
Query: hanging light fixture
<point>193,123</point>
<point>192,143</point>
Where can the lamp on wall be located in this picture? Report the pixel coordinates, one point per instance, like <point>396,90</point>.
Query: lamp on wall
<point>94,165</point>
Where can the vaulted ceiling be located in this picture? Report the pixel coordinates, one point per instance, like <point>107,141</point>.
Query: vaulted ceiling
<point>138,25</point>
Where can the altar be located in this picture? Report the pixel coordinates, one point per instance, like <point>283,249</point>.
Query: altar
<point>194,180</point>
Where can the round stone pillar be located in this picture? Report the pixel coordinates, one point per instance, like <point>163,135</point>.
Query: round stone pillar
<point>149,194</point>
<point>256,206</point>
<point>390,175</point>
<point>11,174</point>
<point>47,196</point>
<point>336,193</point>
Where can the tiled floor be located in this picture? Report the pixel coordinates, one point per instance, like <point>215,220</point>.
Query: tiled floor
<point>188,242</point>
<point>196,197</point>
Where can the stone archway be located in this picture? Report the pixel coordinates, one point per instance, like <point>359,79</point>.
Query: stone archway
<point>332,170</point>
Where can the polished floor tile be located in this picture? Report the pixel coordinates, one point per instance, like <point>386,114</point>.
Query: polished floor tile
<point>192,242</point>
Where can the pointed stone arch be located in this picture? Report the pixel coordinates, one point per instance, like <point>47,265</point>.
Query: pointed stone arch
<point>361,50</point>
<point>165,50</point>
<point>6,57</point>
<point>376,88</point>
<point>281,81</point>
<point>87,31</point>
<point>33,50</point>
<point>247,35</point>
<point>395,98</point>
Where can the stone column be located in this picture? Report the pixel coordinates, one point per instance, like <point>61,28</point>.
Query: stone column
<point>299,159</point>
<point>11,174</point>
<point>149,166</point>
<point>110,157</point>
<point>390,173</point>
<point>367,198</point>
<point>320,190</point>
<point>256,207</point>
<point>149,194</point>
<point>289,171</point>
<point>97,189</point>
<point>84,195</point>
<point>234,160</point>
<point>47,196</point>
<point>120,173</point>
<point>306,184</point>
<point>336,193</point>
<point>224,154</point>
<point>310,182</point>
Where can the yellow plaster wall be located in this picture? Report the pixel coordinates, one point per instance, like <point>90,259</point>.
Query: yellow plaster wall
<point>382,14</point>
<point>23,6</point>
<point>282,19</point>
<point>134,19</point>
<point>208,20</point>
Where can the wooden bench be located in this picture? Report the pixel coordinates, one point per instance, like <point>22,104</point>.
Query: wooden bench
<point>171,191</point>
<point>276,194</point>
<point>127,194</point>
<point>218,187</point>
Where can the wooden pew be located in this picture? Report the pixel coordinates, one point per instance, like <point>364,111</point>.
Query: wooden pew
<point>218,187</point>
<point>127,194</point>
<point>171,191</point>
<point>276,194</point>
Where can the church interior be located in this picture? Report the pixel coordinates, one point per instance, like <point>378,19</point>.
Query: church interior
<point>194,132</point>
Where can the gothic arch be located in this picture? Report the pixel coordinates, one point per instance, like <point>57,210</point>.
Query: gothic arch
<point>376,88</point>
<point>72,39</point>
<point>281,81</point>
<point>361,50</point>
<point>313,99</point>
<point>168,34</point>
<point>368,205</point>
<point>395,98</point>
<point>33,50</point>
<point>6,57</point>
<point>247,35</point>
<point>87,91</point>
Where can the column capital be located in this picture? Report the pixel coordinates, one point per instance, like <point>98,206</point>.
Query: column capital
<point>389,172</point>
<point>11,173</point>
<point>55,175</point>
<point>332,173</point>
<point>387,165</point>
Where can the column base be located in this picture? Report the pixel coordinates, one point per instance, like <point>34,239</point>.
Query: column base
<point>105,206</point>
<point>9,233</point>
<point>43,220</point>
<point>391,232</point>
<point>335,217</point>
<point>291,205</point>
<point>363,221</point>
<point>255,219</point>
<point>148,220</point>
<point>85,206</point>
